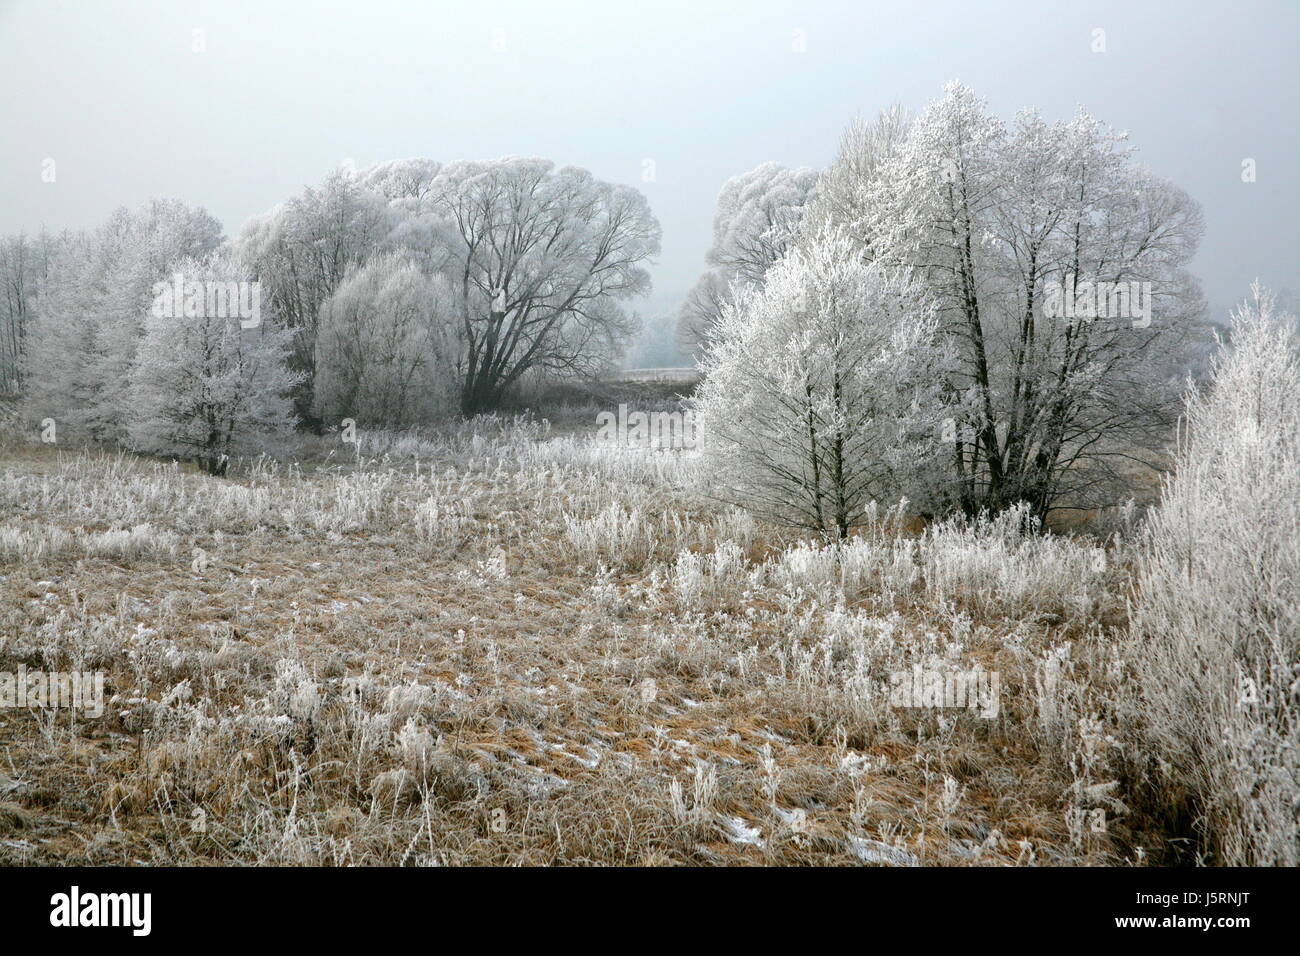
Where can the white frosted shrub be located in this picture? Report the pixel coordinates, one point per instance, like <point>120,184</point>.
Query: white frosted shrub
<point>999,564</point>
<point>45,541</point>
<point>1217,618</point>
<point>992,565</point>
<point>710,580</point>
<point>439,522</point>
<point>627,537</point>
<point>815,567</point>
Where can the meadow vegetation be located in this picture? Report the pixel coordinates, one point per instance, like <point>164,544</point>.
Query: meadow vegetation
<point>496,644</point>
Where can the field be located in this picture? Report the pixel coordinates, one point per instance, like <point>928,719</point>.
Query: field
<point>496,645</point>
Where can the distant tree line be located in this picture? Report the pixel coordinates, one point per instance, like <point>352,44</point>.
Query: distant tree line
<point>396,296</point>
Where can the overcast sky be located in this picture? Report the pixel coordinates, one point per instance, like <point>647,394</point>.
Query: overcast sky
<point>115,93</point>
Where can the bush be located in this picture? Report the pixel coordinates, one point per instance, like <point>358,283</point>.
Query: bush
<point>1217,614</point>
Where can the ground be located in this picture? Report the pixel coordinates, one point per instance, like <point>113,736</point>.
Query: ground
<point>497,645</point>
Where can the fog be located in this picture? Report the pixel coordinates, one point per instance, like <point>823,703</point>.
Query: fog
<point>130,102</point>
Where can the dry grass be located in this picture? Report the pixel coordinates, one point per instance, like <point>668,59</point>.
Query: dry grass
<point>498,646</point>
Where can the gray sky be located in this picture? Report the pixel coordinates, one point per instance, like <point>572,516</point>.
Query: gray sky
<point>285,91</point>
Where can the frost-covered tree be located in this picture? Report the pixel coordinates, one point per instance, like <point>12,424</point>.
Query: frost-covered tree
<point>301,250</point>
<point>701,313</point>
<point>819,396</point>
<point>408,182</point>
<point>1057,264</point>
<point>62,337</point>
<point>1216,621</point>
<point>541,261</point>
<point>203,385</point>
<point>388,346</point>
<point>24,262</point>
<point>844,189</point>
<point>91,309</point>
<point>757,221</point>
<point>538,261</point>
<point>758,217</point>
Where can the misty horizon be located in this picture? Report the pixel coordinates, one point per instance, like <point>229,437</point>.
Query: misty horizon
<point>686,96</point>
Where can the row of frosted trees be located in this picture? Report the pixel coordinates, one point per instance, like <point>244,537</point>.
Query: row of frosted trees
<point>888,326</point>
<point>396,296</point>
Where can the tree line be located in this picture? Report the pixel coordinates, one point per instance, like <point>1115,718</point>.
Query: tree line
<point>395,296</point>
<point>958,310</point>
